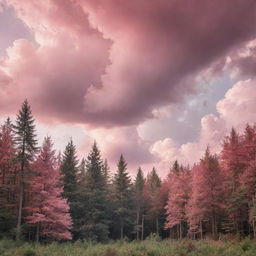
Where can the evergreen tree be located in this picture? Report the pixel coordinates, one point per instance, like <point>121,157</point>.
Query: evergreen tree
<point>26,146</point>
<point>206,202</point>
<point>252,215</point>
<point>152,190</point>
<point>234,165</point>
<point>139,186</point>
<point>94,209</point>
<point>69,171</point>
<point>47,210</point>
<point>248,178</point>
<point>122,195</point>
<point>8,168</point>
<point>176,167</point>
<point>177,201</point>
<point>81,175</point>
<point>105,170</point>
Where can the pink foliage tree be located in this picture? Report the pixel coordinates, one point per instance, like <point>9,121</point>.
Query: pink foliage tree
<point>206,202</point>
<point>179,190</point>
<point>234,161</point>
<point>47,210</point>
<point>248,178</point>
<point>8,172</point>
<point>7,153</point>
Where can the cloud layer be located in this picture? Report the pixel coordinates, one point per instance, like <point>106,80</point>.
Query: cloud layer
<point>108,63</point>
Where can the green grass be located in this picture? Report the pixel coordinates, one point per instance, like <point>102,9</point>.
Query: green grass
<point>145,248</point>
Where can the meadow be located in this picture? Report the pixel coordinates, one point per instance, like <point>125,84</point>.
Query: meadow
<point>142,248</point>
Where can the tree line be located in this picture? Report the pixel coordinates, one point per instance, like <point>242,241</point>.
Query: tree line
<point>46,196</point>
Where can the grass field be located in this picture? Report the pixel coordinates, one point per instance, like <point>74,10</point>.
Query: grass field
<point>145,248</point>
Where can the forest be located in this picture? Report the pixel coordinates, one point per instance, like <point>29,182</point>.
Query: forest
<point>47,197</point>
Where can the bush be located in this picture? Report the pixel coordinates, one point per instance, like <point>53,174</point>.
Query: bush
<point>246,244</point>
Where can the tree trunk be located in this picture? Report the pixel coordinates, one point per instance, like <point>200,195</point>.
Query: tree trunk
<point>180,229</point>
<point>254,231</point>
<point>157,226</point>
<point>253,219</point>
<point>20,211</point>
<point>213,227</point>
<point>37,232</point>
<point>201,230</point>
<point>21,196</point>
<point>122,230</point>
<point>3,178</point>
<point>142,227</point>
<point>137,224</point>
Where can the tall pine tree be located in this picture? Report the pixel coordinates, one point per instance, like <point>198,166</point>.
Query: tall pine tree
<point>179,192</point>
<point>234,165</point>
<point>69,169</point>
<point>122,196</point>
<point>26,145</point>
<point>94,222</point>
<point>206,202</point>
<point>152,196</point>
<point>139,186</point>
<point>47,210</point>
<point>7,178</point>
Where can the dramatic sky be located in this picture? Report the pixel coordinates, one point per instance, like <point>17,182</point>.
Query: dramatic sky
<point>154,80</point>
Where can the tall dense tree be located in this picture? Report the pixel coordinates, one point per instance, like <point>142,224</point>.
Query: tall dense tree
<point>152,196</point>
<point>48,211</point>
<point>69,170</point>
<point>248,178</point>
<point>105,170</point>
<point>139,186</point>
<point>206,203</point>
<point>95,220</point>
<point>179,193</point>
<point>233,162</point>
<point>7,177</point>
<point>122,195</point>
<point>81,173</point>
<point>26,145</point>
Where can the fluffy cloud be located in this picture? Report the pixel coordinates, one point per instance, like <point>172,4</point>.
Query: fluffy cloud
<point>235,110</point>
<point>56,70</point>
<point>111,63</point>
<point>238,106</point>
<point>243,62</point>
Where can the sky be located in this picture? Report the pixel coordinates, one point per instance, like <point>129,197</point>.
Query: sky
<point>154,80</point>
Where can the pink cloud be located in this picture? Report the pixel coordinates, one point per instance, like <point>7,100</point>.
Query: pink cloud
<point>238,106</point>
<point>110,63</point>
<point>55,72</point>
<point>165,43</point>
<point>236,109</point>
<point>243,62</point>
